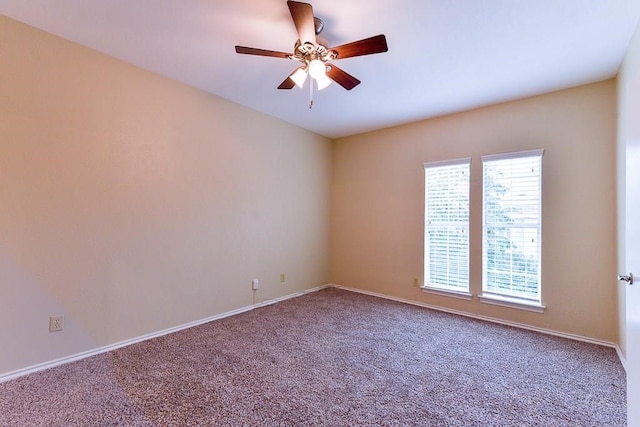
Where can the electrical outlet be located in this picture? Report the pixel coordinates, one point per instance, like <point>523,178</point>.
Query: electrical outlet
<point>56,323</point>
<point>282,277</point>
<point>416,282</point>
<point>255,284</point>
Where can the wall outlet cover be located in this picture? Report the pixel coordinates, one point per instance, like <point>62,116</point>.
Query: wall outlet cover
<point>56,323</point>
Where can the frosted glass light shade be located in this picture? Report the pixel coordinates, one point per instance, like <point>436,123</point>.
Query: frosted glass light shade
<point>317,69</point>
<point>322,81</point>
<point>299,76</point>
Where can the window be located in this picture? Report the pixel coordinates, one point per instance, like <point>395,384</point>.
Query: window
<point>446,235</point>
<point>511,243</point>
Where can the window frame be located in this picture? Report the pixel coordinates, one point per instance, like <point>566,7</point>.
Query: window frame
<point>491,296</point>
<point>443,289</point>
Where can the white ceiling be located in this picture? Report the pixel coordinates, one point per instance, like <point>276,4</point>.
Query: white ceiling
<point>444,56</point>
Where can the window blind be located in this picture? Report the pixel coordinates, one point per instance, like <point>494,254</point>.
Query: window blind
<point>511,250</point>
<point>446,239</point>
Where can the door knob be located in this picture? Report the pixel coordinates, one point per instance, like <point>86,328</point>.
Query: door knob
<point>626,278</point>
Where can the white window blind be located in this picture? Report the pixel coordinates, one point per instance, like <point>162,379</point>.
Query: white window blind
<point>446,236</point>
<point>511,247</point>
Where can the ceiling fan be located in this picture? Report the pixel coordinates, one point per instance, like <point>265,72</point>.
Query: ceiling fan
<point>312,51</point>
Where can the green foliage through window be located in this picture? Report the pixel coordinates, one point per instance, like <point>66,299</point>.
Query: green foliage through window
<point>512,225</point>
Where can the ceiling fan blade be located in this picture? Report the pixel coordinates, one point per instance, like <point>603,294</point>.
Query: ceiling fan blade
<point>261,52</point>
<point>343,78</point>
<point>288,83</point>
<point>375,44</point>
<point>302,14</point>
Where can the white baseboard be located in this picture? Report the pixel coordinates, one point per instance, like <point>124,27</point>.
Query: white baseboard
<point>68,359</point>
<point>490,319</point>
<point>622,358</point>
<point>284,298</point>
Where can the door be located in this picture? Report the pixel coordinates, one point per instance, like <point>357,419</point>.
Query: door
<point>632,244</point>
<point>629,145</point>
<point>629,109</point>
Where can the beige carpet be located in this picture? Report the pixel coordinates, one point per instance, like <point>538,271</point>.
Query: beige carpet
<point>332,358</point>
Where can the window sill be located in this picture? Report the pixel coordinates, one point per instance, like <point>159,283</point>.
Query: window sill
<point>511,303</point>
<point>447,293</point>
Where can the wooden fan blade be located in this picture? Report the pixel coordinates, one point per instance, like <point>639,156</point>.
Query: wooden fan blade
<point>343,78</point>
<point>288,83</point>
<point>261,52</point>
<point>375,44</point>
<point>302,14</point>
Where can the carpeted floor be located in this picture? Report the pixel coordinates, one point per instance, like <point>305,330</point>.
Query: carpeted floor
<point>331,358</point>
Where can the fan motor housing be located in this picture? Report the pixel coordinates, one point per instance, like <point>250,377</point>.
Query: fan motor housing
<point>318,24</point>
<point>308,51</point>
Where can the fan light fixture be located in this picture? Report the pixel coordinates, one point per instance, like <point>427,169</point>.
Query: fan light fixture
<point>323,81</point>
<point>299,76</point>
<point>316,69</point>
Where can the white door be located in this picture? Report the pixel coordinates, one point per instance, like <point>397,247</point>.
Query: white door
<point>629,134</point>
<point>631,139</point>
<point>633,291</point>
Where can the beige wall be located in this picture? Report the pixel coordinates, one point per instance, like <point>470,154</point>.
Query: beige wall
<point>628,113</point>
<point>378,196</point>
<point>130,203</point>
